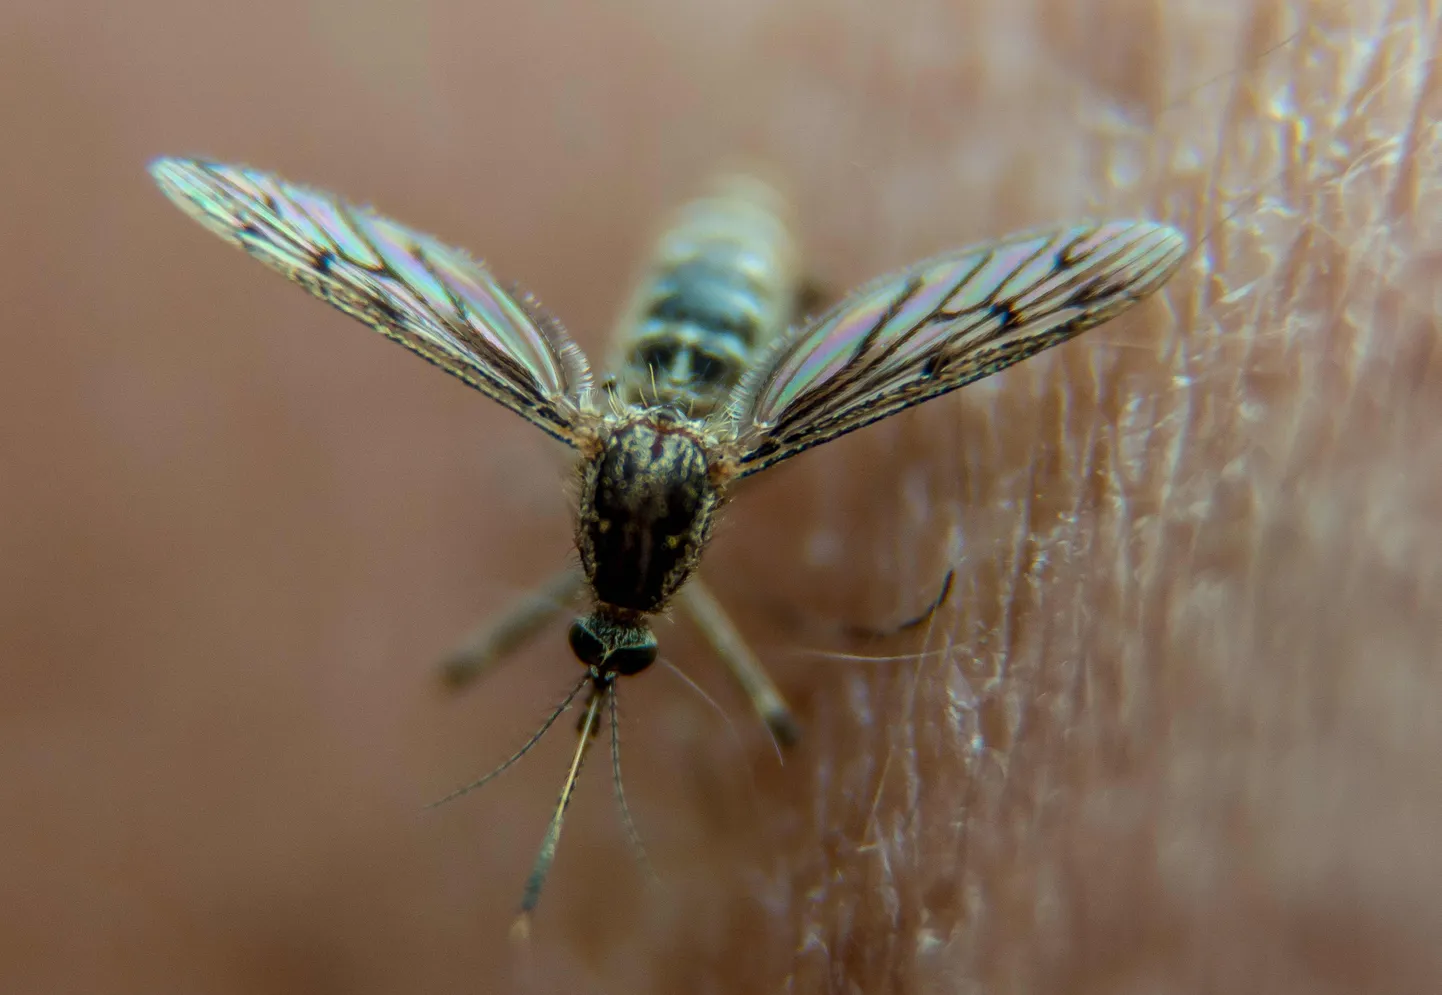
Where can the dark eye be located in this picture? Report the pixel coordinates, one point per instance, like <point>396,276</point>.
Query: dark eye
<point>628,660</point>
<point>587,647</point>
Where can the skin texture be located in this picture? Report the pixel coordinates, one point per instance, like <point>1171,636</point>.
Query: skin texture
<point>1174,731</point>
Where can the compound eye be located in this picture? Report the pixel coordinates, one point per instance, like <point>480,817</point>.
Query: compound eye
<point>587,647</point>
<point>628,660</point>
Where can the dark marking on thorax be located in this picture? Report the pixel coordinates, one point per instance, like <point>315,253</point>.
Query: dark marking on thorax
<point>646,509</point>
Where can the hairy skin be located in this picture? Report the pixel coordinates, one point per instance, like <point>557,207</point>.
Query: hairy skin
<point>1175,730</point>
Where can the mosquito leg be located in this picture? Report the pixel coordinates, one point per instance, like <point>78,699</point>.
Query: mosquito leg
<point>866,632</point>
<point>488,644</point>
<point>732,648</point>
<point>521,929</point>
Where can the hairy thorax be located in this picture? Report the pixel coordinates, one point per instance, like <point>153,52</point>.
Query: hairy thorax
<point>646,509</point>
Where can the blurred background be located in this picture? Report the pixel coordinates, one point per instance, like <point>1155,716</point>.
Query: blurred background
<point>1176,729</point>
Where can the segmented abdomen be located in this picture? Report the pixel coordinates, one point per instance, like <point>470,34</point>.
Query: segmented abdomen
<point>720,286</point>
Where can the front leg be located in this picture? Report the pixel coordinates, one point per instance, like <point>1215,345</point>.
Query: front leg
<point>496,638</point>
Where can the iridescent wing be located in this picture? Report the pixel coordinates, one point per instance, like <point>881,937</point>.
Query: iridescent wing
<point>939,325</point>
<point>432,299</point>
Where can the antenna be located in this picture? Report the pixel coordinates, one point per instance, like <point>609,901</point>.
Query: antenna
<point>631,831</point>
<point>521,928</point>
<point>536,738</point>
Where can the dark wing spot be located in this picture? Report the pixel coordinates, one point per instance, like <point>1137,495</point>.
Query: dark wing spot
<point>385,311</point>
<point>762,451</point>
<point>892,310</point>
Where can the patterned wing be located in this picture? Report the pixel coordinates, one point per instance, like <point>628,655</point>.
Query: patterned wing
<point>940,325</point>
<point>432,299</point>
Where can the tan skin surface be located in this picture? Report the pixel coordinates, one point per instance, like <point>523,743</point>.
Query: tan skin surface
<point>1176,729</point>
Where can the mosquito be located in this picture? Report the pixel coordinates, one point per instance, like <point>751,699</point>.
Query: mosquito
<point>713,382</point>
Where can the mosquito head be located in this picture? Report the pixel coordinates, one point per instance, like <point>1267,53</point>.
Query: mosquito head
<point>613,645</point>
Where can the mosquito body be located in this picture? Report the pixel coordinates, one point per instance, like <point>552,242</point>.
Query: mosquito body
<point>720,287</point>
<point>719,290</point>
<point>711,383</point>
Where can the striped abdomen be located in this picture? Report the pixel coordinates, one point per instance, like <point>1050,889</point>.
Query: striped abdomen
<point>720,286</point>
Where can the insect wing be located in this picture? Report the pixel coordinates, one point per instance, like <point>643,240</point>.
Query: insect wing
<point>941,325</point>
<point>432,299</point>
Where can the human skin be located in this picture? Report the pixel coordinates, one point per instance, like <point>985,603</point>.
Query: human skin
<point>1198,575</point>
<point>1174,730</point>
